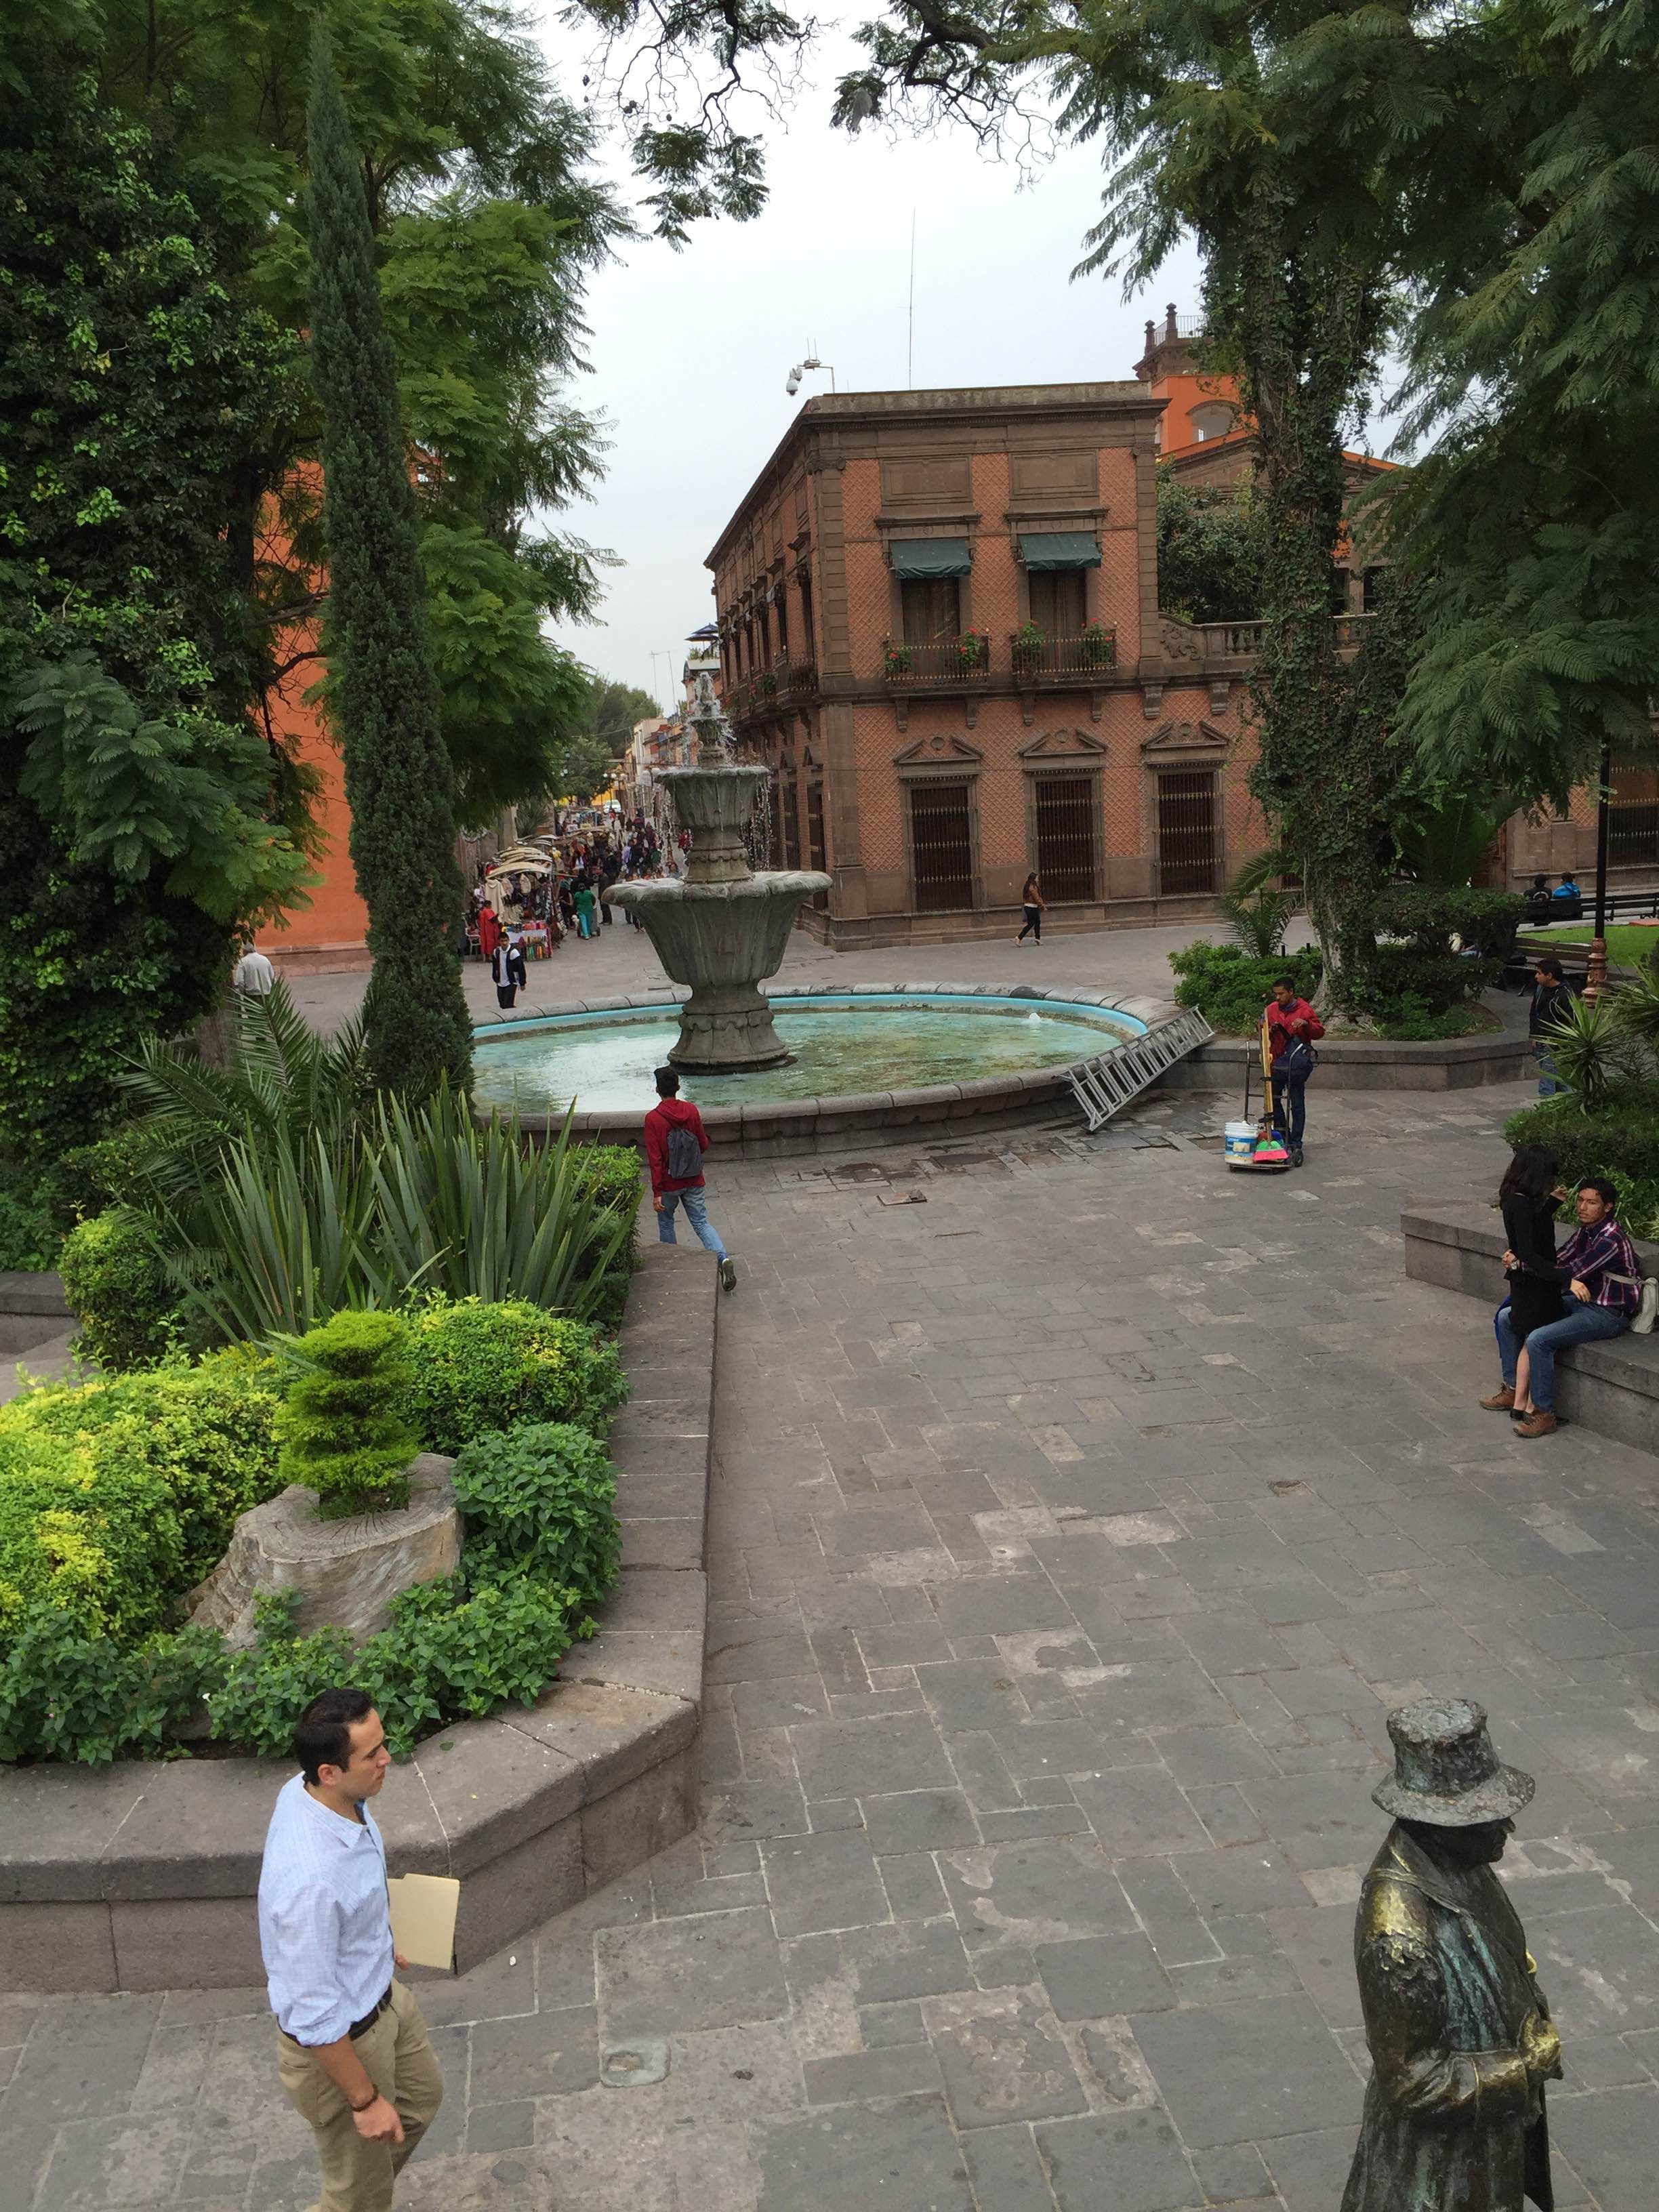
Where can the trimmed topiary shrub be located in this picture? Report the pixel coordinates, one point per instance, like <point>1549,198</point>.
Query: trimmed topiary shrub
<point>341,1428</point>
<point>540,1500</point>
<point>119,1290</point>
<point>480,1367</point>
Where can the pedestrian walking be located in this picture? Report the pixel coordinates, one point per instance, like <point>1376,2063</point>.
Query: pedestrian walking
<point>584,901</point>
<point>490,931</point>
<point>675,1142</point>
<point>1034,906</point>
<point>1292,1030</point>
<point>1552,1002</point>
<point>1598,1276</point>
<point>353,2052</point>
<point>506,965</point>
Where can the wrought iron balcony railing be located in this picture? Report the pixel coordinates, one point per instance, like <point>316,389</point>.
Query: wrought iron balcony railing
<point>964,661</point>
<point>1039,659</point>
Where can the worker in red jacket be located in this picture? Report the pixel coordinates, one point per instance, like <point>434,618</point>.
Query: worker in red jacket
<point>675,1142</point>
<point>1293,1029</point>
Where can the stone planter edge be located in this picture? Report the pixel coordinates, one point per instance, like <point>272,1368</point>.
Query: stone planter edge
<point>142,1875</point>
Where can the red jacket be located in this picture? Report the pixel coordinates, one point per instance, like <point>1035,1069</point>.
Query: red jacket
<point>666,1114</point>
<point>1287,1022</point>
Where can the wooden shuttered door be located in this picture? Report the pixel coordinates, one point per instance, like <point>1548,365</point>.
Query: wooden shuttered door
<point>1065,835</point>
<point>1187,853</point>
<point>941,843</point>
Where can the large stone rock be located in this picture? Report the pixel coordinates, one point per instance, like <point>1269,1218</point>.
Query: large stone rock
<point>347,1571</point>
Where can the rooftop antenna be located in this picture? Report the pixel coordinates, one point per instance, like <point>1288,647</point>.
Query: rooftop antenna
<point>910,344</point>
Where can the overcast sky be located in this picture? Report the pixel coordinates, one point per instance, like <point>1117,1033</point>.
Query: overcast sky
<point>691,351</point>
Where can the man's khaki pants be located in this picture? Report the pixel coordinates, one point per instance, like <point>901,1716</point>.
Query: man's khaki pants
<point>357,2176</point>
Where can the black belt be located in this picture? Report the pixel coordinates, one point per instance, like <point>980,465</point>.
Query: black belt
<point>357,2028</point>
<point>361,2026</point>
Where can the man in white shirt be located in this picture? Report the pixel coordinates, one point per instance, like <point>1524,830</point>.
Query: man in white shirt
<point>354,2053</point>
<point>254,975</point>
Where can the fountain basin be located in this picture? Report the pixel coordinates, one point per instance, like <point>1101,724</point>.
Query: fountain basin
<point>912,1057</point>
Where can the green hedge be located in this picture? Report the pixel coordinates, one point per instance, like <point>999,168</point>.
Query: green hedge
<point>119,1291</point>
<point>616,1174</point>
<point>540,1501</point>
<point>1621,1141</point>
<point>117,1498</point>
<point>482,1368</point>
<point>1230,987</point>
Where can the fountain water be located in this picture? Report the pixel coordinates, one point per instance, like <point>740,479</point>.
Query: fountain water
<point>722,928</point>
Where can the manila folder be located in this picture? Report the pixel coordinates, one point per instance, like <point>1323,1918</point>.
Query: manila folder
<point>424,1908</point>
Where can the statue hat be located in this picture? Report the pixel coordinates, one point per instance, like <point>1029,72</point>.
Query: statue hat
<point>1446,1773</point>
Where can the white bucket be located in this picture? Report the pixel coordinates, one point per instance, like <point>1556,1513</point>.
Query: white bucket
<point>1240,1144</point>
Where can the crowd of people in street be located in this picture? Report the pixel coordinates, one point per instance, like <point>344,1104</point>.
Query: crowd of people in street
<point>513,910</point>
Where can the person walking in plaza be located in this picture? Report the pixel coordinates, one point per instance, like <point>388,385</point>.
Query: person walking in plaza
<point>353,2052</point>
<point>1603,1275</point>
<point>506,965</point>
<point>254,975</point>
<point>1292,1030</point>
<point>584,901</point>
<point>675,1142</point>
<point>1552,1002</point>
<point>1034,906</point>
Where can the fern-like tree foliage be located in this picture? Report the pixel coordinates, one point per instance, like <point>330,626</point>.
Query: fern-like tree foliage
<point>384,692</point>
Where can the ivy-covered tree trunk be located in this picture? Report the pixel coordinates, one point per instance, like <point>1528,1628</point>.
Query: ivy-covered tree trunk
<point>384,695</point>
<point>1306,329</point>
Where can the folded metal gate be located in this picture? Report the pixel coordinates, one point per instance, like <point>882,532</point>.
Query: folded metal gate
<point>1101,1085</point>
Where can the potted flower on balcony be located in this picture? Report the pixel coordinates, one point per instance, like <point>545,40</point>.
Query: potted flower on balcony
<point>1099,646</point>
<point>895,659</point>
<point>974,652</point>
<point>1028,641</point>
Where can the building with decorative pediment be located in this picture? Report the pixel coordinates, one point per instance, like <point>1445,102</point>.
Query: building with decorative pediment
<point>937,624</point>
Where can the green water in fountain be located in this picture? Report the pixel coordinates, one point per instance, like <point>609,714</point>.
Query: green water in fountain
<point>605,1064</point>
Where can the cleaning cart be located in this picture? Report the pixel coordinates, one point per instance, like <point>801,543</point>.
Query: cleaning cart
<point>1252,1143</point>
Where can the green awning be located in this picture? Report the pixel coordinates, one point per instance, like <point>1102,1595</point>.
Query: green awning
<point>1059,549</point>
<point>932,556</point>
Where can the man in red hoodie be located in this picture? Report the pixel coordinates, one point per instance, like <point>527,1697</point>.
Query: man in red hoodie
<point>1292,1026</point>
<point>675,1142</point>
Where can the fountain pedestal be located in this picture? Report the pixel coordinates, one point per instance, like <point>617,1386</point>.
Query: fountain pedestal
<point>724,928</point>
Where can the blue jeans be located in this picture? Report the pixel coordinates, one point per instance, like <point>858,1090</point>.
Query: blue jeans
<point>696,1212</point>
<point>1580,1324</point>
<point>1291,1107</point>
<point>1547,1086</point>
<point>585,925</point>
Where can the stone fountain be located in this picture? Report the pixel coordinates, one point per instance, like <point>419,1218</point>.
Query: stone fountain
<point>722,928</point>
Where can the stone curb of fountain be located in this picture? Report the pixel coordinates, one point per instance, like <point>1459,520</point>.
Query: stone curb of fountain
<point>142,1875</point>
<point>785,1127</point>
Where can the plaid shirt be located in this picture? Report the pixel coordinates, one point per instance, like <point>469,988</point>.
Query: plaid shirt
<point>1594,1256</point>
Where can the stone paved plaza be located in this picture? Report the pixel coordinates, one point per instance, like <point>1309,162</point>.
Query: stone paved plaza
<point>1072,1534</point>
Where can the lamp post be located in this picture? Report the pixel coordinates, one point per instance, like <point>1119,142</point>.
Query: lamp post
<point>1596,972</point>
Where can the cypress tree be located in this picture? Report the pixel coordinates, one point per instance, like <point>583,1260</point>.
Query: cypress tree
<point>398,782</point>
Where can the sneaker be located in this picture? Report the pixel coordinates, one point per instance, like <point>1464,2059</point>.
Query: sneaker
<point>1296,1156</point>
<point>1537,1424</point>
<point>729,1275</point>
<point>1503,1402</point>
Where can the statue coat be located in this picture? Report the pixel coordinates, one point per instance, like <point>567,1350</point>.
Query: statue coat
<point>1454,2122</point>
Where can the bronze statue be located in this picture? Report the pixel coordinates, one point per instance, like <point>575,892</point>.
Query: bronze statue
<point>1460,2037</point>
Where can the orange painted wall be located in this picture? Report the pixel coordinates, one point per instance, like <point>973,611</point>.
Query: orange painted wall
<point>335,922</point>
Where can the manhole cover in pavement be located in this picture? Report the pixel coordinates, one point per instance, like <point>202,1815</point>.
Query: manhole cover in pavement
<point>634,2065</point>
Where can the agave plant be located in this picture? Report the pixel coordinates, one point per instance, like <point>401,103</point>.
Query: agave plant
<point>1635,1008</point>
<point>1255,912</point>
<point>274,1237</point>
<point>478,1210</point>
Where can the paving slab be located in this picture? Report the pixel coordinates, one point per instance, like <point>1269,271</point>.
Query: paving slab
<point>1060,1579</point>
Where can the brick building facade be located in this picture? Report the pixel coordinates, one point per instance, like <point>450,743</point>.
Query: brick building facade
<point>938,625</point>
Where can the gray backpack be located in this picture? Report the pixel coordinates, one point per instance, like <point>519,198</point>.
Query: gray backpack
<point>685,1154</point>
